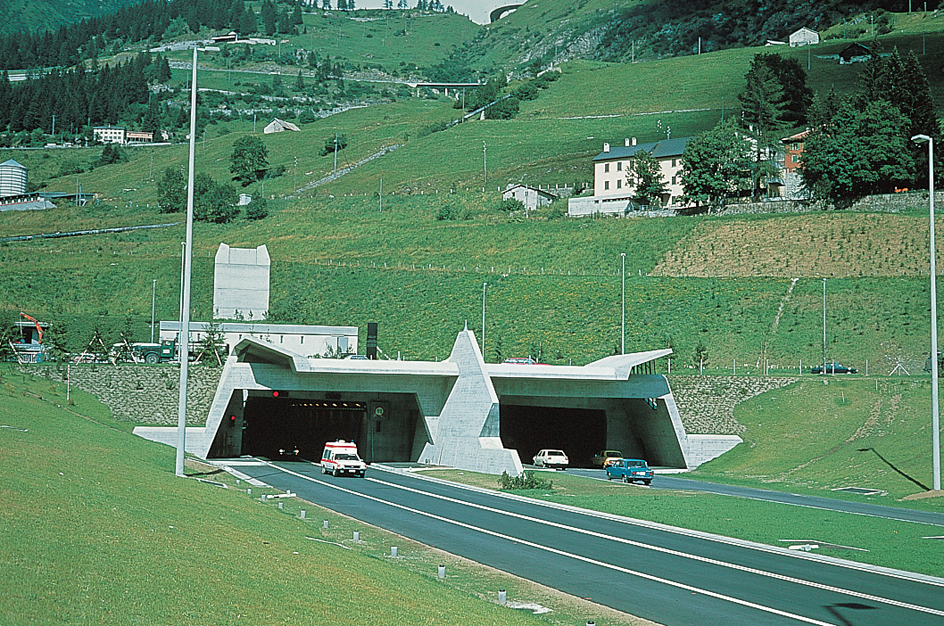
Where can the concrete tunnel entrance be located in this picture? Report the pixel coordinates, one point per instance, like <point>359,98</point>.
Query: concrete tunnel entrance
<point>580,433</point>
<point>383,428</point>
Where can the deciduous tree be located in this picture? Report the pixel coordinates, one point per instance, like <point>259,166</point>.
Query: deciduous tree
<point>249,160</point>
<point>645,176</point>
<point>717,165</point>
<point>172,191</point>
<point>861,151</point>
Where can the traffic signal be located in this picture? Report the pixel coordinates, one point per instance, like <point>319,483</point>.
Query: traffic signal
<point>279,394</point>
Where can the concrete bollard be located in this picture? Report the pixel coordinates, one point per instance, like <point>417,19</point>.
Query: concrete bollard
<point>303,514</point>
<point>357,535</point>
<point>502,597</point>
<point>280,506</point>
<point>442,571</point>
<point>249,491</point>
<point>393,551</point>
<point>326,523</point>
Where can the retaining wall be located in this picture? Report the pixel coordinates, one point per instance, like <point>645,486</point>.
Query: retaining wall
<point>140,394</point>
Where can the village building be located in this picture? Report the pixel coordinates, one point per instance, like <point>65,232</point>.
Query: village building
<point>109,134</point>
<point>278,126</point>
<point>531,197</point>
<point>804,37</point>
<point>614,193</point>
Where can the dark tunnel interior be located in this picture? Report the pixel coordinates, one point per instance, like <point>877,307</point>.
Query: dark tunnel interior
<point>580,433</point>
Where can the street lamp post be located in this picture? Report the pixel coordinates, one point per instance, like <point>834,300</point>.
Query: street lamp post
<point>623,306</point>
<point>153,293</point>
<point>824,327</point>
<point>935,407</point>
<point>185,287</point>
<point>483,319</point>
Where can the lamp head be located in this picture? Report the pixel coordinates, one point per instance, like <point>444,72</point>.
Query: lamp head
<point>920,138</point>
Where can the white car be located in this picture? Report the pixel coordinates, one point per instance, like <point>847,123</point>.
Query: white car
<point>551,458</point>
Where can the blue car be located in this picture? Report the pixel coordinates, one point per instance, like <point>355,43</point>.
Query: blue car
<point>630,470</point>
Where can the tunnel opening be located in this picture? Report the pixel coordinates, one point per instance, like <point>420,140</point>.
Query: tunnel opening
<point>385,427</point>
<point>289,427</point>
<point>578,432</point>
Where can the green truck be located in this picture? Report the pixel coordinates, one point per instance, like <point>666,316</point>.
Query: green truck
<point>154,352</point>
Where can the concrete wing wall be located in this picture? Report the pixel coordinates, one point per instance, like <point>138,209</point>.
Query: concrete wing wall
<point>467,433</point>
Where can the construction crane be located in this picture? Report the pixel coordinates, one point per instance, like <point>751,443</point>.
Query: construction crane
<point>39,329</point>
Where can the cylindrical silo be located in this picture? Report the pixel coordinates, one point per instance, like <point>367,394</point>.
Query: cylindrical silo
<point>12,179</point>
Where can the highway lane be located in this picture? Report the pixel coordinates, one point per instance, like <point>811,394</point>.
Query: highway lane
<point>670,576</point>
<point>662,481</point>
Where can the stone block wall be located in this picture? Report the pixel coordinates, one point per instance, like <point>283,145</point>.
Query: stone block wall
<point>890,203</point>
<point>140,394</point>
<point>706,403</point>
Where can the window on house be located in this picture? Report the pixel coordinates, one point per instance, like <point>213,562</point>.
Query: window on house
<point>606,167</point>
<point>619,184</point>
<point>619,166</point>
<point>674,162</point>
<point>606,184</point>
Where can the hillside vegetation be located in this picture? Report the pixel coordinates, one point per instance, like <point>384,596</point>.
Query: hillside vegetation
<point>408,239</point>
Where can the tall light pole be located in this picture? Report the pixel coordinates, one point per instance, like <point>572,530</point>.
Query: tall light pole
<point>623,307</point>
<point>935,406</point>
<point>185,287</point>
<point>483,319</point>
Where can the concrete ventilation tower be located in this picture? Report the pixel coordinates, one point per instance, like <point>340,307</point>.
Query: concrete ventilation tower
<point>12,179</point>
<point>241,283</point>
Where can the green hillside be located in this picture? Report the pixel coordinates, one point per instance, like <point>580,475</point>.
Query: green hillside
<point>36,15</point>
<point>415,259</point>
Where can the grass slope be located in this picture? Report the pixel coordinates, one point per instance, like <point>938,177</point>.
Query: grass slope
<point>97,529</point>
<point>340,256</point>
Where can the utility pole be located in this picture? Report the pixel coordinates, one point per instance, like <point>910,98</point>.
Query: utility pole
<point>623,307</point>
<point>824,327</point>
<point>335,153</point>
<point>484,165</point>
<point>153,292</point>
<point>483,319</point>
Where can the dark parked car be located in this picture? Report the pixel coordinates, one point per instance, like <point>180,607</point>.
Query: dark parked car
<point>833,368</point>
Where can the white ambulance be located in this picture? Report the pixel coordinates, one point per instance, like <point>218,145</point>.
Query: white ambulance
<point>340,457</point>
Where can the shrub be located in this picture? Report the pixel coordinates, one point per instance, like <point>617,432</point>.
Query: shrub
<point>525,480</point>
<point>257,209</point>
<point>510,205</point>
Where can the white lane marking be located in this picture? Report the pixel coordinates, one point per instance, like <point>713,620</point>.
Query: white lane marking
<point>657,579</point>
<point>694,557</point>
<point>759,547</point>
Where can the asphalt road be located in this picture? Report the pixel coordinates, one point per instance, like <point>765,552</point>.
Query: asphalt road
<point>672,576</point>
<point>871,509</point>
